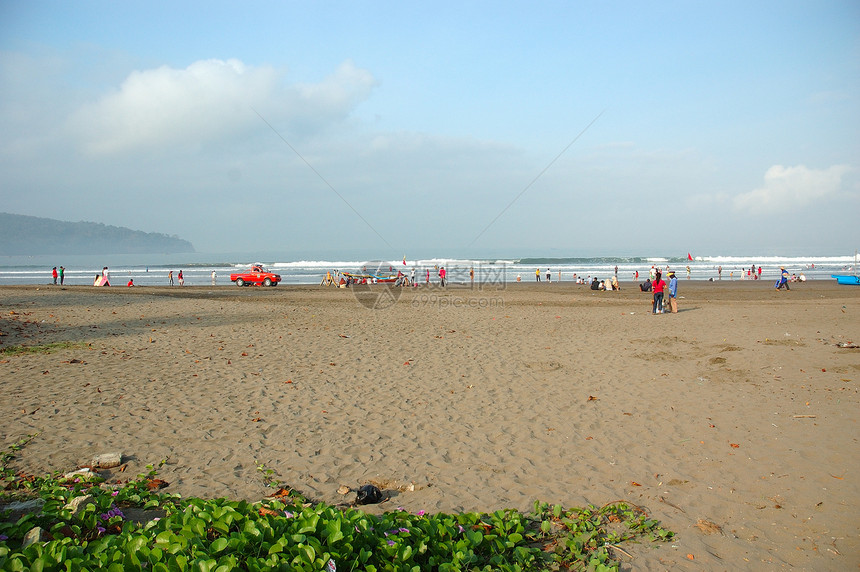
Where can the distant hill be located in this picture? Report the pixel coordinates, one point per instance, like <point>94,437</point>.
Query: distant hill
<point>30,235</point>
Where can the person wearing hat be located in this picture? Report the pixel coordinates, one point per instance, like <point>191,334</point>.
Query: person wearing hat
<point>783,279</point>
<point>673,292</point>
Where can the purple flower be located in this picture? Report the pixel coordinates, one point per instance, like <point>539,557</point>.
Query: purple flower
<point>3,537</point>
<point>462,530</point>
<point>101,529</point>
<point>420,513</point>
<point>404,530</point>
<point>113,494</point>
<point>114,511</point>
<point>391,543</point>
<point>288,514</point>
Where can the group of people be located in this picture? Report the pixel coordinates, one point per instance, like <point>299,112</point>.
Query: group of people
<point>611,284</point>
<point>658,288</point>
<point>102,279</point>
<point>548,275</point>
<point>58,275</point>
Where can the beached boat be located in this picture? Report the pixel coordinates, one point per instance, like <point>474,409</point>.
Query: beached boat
<point>372,278</point>
<point>849,279</point>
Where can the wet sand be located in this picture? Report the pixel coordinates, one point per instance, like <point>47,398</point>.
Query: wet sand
<point>739,413</point>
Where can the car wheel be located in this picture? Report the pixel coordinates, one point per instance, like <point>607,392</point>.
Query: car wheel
<point>267,282</point>
<point>240,282</point>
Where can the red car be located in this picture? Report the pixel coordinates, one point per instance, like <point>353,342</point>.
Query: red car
<point>257,275</point>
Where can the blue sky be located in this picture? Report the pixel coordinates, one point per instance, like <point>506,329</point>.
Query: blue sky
<point>377,129</point>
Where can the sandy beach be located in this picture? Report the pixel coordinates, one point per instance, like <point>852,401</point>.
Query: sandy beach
<point>734,422</point>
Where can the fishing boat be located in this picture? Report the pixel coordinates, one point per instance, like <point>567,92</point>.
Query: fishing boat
<point>372,278</point>
<point>848,279</point>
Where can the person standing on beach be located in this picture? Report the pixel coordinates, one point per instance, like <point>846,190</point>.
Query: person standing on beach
<point>537,274</point>
<point>62,274</point>
<point>181,279</point>
<point>720,272</point>
<point>548,276</point>
<point>673,292</point>
<point>428,277</point>
<point>688,272</point>
<point>412,278</point>
<point>170,278</point>
<point>442,276</point>
<point>658,286</point>
<point>54,275</point>
<point>213,278</point>
<point>105,276</point>
<point>472,275</point>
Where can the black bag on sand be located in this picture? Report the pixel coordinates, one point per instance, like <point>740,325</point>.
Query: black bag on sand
<point>368,494</point>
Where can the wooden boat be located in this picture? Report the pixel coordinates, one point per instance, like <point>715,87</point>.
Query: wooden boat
<point>372,278</point>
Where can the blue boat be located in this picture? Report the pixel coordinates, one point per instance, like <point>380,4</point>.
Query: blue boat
<point>847,279</point>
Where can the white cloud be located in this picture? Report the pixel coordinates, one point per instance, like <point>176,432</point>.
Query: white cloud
<point>339,92</point>
<point>787,189</point>
<point>210,99</point>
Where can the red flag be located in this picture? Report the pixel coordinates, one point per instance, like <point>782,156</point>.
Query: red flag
<point>689,257</point>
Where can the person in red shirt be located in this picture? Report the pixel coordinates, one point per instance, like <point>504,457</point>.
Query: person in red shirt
<point>658,286</point>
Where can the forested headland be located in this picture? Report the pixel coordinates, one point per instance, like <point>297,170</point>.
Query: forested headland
<point>29,235</point>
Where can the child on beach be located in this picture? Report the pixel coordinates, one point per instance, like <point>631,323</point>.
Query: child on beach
<point>658,286</point>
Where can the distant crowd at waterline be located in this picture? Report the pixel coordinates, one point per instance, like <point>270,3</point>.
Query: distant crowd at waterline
<point>103,277</point>
<point>439,276</point>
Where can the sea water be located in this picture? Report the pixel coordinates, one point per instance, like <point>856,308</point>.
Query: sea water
<point>197,268</point>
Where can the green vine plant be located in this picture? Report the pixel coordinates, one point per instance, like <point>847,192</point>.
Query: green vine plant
<point>287,532</point>
<point>7,474</point>
<point>269,478</point>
